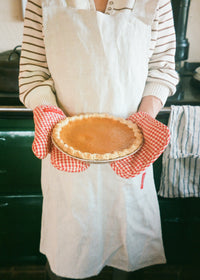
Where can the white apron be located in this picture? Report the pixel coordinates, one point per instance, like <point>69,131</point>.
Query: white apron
<point>99,63</point>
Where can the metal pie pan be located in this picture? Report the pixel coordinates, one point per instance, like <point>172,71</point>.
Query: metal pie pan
<point>92,161</point>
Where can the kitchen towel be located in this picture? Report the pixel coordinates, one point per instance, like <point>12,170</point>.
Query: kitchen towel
<point>181,160</point>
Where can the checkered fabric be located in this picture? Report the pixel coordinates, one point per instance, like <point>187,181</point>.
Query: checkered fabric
<point>66,163</point>
<point>156,138</point>
<point>45,118</point>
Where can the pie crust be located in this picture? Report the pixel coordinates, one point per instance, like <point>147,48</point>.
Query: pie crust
<point>97,137</point>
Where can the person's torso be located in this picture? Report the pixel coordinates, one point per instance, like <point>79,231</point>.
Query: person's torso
<point>98,61</point>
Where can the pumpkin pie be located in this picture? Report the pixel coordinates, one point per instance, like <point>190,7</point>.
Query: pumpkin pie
<point>97,137</point>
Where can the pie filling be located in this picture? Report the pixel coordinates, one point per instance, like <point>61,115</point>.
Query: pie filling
<point>97,136</point>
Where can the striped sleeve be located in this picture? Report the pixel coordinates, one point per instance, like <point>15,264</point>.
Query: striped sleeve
<point>36,86</point>
<point>162,76</point>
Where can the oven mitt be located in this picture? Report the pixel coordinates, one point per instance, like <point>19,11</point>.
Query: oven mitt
<point>45,118</point>
<point>156,138</point>
<point>66,163</point>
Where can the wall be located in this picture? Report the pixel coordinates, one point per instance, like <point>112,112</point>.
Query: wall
<point>11,27</point>
<point>193,33</point>
<point>11,24</point>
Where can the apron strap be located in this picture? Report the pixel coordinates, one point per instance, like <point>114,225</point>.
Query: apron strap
<point>145,10</point>
<point>92,5</point>
<point>80,4</point>
<point>56,3</point>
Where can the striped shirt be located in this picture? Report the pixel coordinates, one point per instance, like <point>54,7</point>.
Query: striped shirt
<point>36,85</point>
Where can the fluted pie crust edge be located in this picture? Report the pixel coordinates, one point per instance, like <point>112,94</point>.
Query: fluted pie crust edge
<point>68,149</point>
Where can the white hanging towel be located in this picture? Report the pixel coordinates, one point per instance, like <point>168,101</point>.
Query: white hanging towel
<point>181,160</point>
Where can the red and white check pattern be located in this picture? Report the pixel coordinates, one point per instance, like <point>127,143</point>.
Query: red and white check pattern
<point>66,163</point>
<point>45,118</point>
<point>156,138</point>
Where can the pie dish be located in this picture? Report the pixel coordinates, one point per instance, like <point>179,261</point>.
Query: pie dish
<point>97,137</point>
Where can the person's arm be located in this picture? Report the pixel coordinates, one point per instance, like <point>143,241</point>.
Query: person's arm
<point>151,105</point>
<point>36,86</point>
<point>162,77</point>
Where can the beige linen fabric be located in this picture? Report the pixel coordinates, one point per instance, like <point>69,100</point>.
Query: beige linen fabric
<point>96,218</point>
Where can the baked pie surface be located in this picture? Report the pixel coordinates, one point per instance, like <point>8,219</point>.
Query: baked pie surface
<point>97,137</point>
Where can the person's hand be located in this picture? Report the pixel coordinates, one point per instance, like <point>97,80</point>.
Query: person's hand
<point>45,118</point>
<point>156,138</point>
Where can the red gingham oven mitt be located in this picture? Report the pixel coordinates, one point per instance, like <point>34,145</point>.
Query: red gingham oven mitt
<point>156,138</point>
<point>45,118</point>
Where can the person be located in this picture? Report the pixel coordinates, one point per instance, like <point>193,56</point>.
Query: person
<point>110,56</point>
